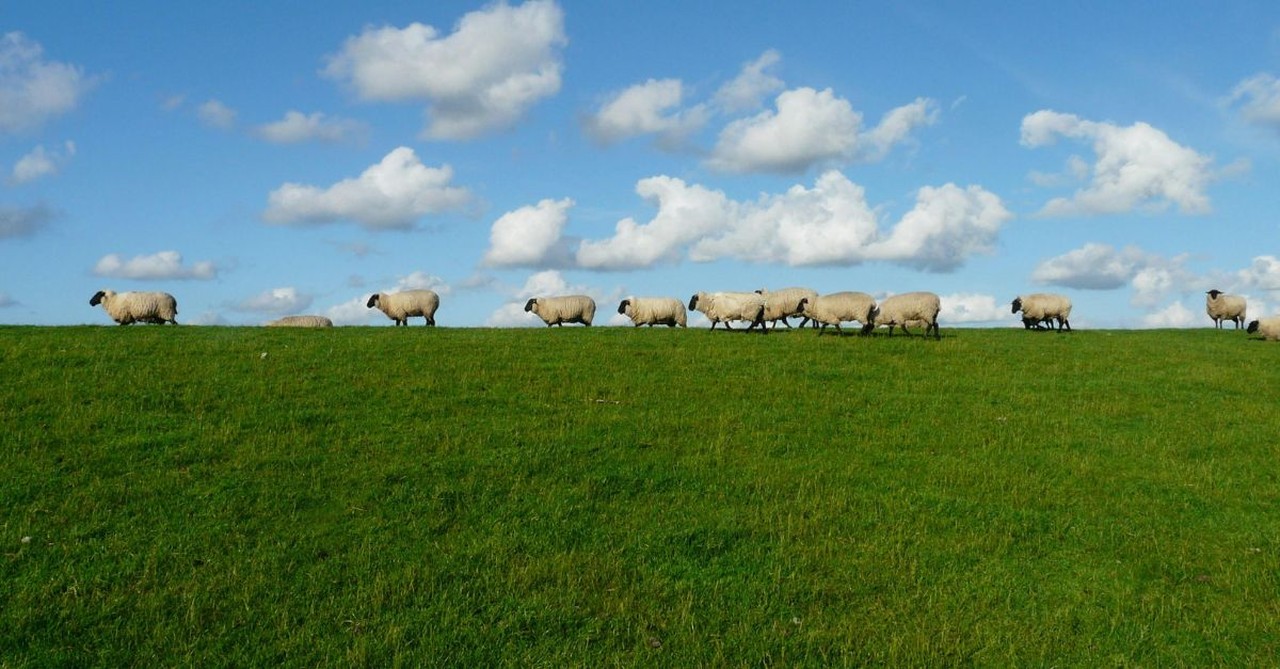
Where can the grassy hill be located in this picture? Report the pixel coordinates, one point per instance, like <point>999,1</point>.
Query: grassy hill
<point>618,497</point>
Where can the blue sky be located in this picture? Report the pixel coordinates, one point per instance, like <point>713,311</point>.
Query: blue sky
<point>263,159</point>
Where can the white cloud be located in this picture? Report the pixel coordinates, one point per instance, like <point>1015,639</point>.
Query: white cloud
<point>276,301</point>
<point>1137,166</point>
<point>297,127</point>
<point>530,236</point>
<point>1176,315</point>
<point>496,64</point>
<point>353,312</point>
<point>972,308</point>
<point>392,194</point>
<point>1259,99</point>
<point>829,224</point>
<point>1093,267</point>
<point>811,128</point>
<point>420,280</point>
<point>649,108</point>
<point>1263,273</point>
<point>215,114</point>
<point>748,90</point>
<point>40,163</point>
<point>33,90</point>
<point>23,221</point>
<point>162,265</point>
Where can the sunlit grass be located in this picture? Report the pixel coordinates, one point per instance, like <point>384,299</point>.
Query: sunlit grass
<point>614,497</point>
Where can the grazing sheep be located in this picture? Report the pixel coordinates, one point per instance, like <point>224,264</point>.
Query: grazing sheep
<point>1223,307</point>
<point>1269,327</point>
<point>561,310</point>
<point>725,307</point>
<point>301,322</point>
<point>902,309</point>
<point>782,304</point>
<point>401,306</point>
<point>837,307</point>
<point>653,311</point>
<point>1038,308</point>
<point>137,307</point>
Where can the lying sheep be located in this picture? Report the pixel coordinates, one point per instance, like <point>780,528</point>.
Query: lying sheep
<point>137,307</point>
<point>561,310</point>
<point>838,307</point>
<point>1269,328</point>
<point>781,304</point>
<point>1039,308</point>
<point>653,311</point>
<point>1223,307</point>
<point>301,322</point>
<point>401,306</point>
<point>902,309</point>
<point>726,307</point>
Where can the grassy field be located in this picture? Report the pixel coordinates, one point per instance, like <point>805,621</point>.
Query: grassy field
<point>614,497</point>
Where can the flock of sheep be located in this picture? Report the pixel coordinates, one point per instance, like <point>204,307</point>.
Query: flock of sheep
<point>1039,310</point>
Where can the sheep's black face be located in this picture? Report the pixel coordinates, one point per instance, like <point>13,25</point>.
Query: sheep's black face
<point>1214,293</point>
<point>1253,327</point>
<point>528,306</point>
<point>1017,305</point>
<point>96,299</point>
<point>803,301</point>
<point>622,308</point>
<point>373,301</point>
<point>693,302</point>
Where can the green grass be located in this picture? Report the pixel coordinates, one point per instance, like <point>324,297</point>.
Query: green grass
<point>616,497</point>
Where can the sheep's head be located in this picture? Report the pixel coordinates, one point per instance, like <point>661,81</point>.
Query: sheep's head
<point>1213,294</point>
<point>1017,305</point>
<point>97,298</point>
<point>693,301</point>
<point>528,306</point>
<point>622,307</point>
<point>373,300</point>
<point>804,302</point>
<point>1253,327</point>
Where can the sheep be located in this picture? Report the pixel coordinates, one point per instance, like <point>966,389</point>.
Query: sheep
<point>561,310</point>
<point>1269,327</point>
<point>1039,308</point>
<point>301,322</point>
<point>908,307</point>
<point>781,304</point>
<point>836,307</point>
<point>137,307</point>
<point>653,311</point>
<point>725,307</point>
<point>401,306</point>
<point>1223,307</point>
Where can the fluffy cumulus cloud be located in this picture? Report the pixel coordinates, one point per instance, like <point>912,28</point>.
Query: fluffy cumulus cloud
<point>972,308</point>
<point>649,108</point>
<point>496,64</point>
<point>1258,99</point>
<point>754,83</point>
<point>215,114</point>
<point>162,265</point>
<point>810,128</point>
<point>530,236</point>
<point>32,89</point>
<point>1263,273</point>
<point>828,224</point>
<point>1175,315</point>
<point>392,194</point>
<point>297,127</point>
<point>278,301</point>
<point>1137,167</point>
<point>40,163</point>
<point>18,222</point>
<point>1103,267</point>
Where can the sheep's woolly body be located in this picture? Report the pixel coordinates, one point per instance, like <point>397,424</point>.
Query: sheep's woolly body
<point>1038,307</point>
<point>561,310</point>
<point>782,304</point>
<point>301,322</point>
<point>653,311</point>
<point>725,307</point>
<point>840,307</point>
<point>1268,327</point>
<point>1223,307</point>
<point>400,307</point>
<point>902,309</point>
<point>137,307</point>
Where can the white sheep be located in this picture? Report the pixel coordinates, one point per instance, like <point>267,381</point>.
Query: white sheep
<point>839,307</point>
<point>653,311</point>
<point>1269,327</point>
<point>137,307</point>
<point>727,306</point>
<point>1223,307</point>
<point>301,322</point>
<point>561,310</point>
<point>1043,307</point>
<point>401,306</point>
<point>782,304</point>
<point>902,309</point>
